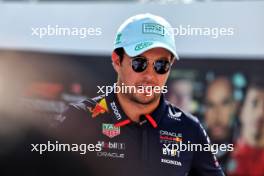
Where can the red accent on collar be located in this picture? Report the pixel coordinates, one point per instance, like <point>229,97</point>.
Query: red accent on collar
<point>127,121</point>
<point>122,123</point>
<point>151,120</point>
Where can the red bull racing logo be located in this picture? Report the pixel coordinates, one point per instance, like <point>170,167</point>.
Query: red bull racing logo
<point>99,108</point>
<point>166,136</point>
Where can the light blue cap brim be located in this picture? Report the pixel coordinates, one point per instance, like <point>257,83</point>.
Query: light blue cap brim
<point>130,49</point>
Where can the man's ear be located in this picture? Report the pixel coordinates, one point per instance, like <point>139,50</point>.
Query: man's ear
<point>173,61</point>
<point>116,61</point>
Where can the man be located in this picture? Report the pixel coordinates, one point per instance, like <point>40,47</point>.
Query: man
<point>181,94</point>
<point>220,108</point>
<point>138,129</point>
<point>248,156</point>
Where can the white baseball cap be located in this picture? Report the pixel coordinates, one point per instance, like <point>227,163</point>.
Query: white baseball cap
<point>143,32</point>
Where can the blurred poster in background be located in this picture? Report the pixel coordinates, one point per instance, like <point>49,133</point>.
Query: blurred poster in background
<point>217,91</point>
<point>219,78</point>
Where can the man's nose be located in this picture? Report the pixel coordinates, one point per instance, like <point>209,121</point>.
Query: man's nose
<point>261,110</point>
<point>218,112</point>
<point>149,73</point>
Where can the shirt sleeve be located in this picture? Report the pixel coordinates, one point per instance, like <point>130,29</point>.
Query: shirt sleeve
<point>72,124</point>
<point>205,162</point>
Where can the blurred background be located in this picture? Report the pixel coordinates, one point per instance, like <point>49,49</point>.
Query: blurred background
<point>219,78</point>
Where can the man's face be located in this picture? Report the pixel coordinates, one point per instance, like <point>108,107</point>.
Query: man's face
<point>148,77</point>
<point>252,116</point>
<point>220,108</point>
<point>181,94</point>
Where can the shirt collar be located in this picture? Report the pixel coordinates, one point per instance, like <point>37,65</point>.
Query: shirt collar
<point>120,118</point>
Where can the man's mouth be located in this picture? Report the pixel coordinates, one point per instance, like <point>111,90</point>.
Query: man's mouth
<point>260,123</point>
<point>146,85</point>
<point>218,129</point>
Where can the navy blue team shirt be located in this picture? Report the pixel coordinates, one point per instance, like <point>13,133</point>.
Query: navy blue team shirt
<point>144,148</point>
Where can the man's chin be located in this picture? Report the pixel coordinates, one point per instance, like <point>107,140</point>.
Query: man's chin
<point>145,99</point>
<point>259,137</point>
<point>217,134</point>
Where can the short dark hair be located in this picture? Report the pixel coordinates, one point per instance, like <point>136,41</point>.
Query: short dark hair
<point>256,82</point>
<point>120,52</point>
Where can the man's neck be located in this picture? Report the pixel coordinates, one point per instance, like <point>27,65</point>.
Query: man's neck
<point>133,110</point>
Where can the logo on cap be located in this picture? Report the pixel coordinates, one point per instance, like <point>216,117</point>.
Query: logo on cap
<point>118,38</point>
<point>142,45</point>
<point>153,28</point>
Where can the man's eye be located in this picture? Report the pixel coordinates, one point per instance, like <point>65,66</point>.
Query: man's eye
<point>209,105</point>
<point>226,102</point>
<point>255,103</point>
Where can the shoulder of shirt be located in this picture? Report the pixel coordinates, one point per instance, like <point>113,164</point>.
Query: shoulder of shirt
<point>76,111</point>
<point>191,121</point>
<point>87,103</point>
<point>185,116</point>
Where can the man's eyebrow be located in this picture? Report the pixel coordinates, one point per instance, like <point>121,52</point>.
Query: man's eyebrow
<point>169,59</point>
<point>141,56</point>
<point>162,57</point>
<point>208,102</point>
